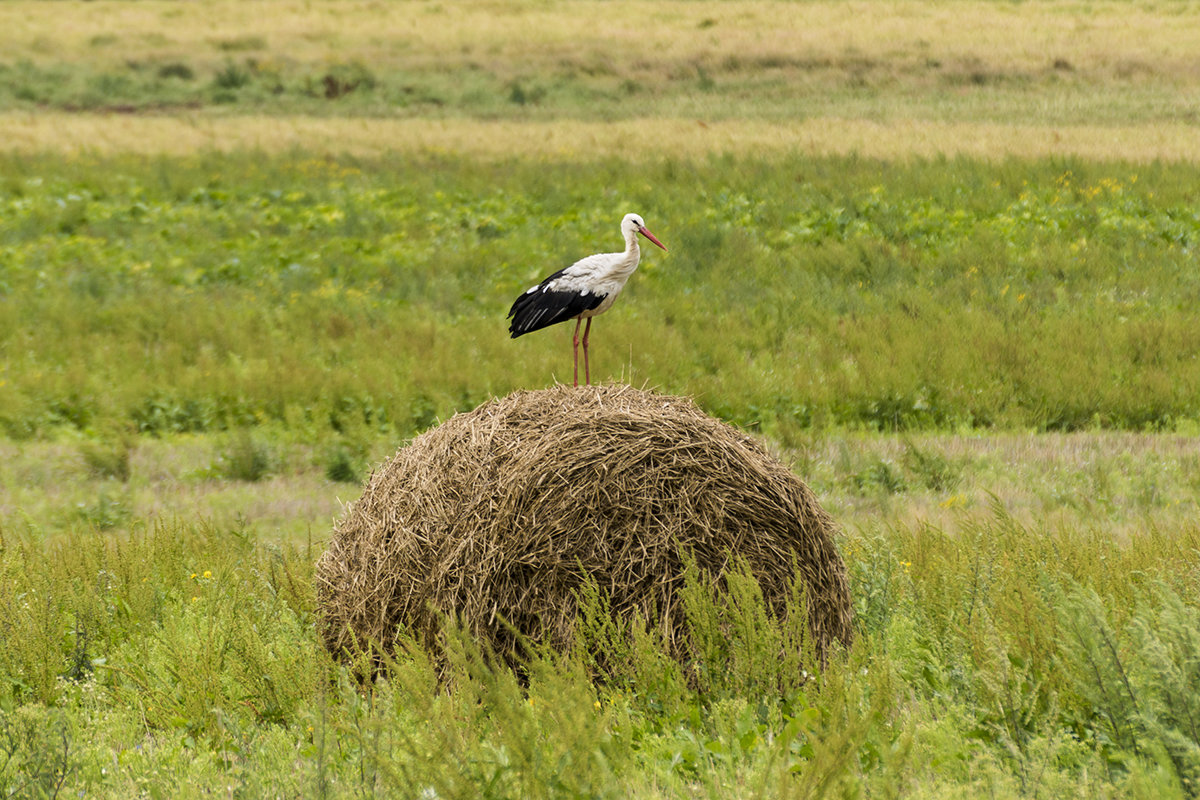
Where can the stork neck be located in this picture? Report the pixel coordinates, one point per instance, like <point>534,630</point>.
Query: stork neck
<point>631,243</point>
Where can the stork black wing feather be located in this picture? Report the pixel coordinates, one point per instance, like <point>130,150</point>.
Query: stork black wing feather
<point>541,307</point>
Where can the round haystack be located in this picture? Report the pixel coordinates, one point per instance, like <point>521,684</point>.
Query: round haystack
<point>497,514</point>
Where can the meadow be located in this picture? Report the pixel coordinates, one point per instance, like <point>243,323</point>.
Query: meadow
<point>332,295</point>
<point>940,258</point>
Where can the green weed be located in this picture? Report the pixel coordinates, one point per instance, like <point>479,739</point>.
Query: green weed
<point>933,470</point>
<point>345,462</point>
<point>107,512</point>
<point>37,757</point>
<point>109,459</point>
<point>176,69</point>
<point>880,476</point>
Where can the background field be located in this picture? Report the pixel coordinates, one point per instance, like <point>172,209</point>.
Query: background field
<point>889,79</point>
<point>940,257</point>
<point>1080,63</point>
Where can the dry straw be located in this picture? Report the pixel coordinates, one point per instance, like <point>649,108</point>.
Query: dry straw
<point>498,513</point>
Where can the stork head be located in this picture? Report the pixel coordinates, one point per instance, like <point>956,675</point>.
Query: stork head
<point>633,225</point>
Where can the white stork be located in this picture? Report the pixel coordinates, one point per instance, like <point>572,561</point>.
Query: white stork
<point>586,288</point>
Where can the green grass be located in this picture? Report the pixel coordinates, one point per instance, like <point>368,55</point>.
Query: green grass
<point>211,294</point>
<point>1123,482</point>
<point>993,657</point>
<point>1025,608</point>
<point>200,357</point>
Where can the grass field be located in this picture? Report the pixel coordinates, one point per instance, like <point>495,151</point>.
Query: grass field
<point>883,79</point>
<point>1036,294</point>
<point>1024,605</point>
<point>939,257</point>
<point>1055,63</point>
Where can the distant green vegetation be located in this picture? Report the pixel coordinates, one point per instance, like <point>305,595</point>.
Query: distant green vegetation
<point>787,88</point>
<point>224,292</point>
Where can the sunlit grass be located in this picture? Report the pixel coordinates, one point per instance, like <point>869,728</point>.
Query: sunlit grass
<point>569,141</point>
<point>1107,37</point>
<point>1042,65</point>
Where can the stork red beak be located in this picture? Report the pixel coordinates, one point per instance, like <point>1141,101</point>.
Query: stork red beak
<point>645,232</point>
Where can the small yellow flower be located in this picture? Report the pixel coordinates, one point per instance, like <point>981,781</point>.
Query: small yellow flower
<point>193,576</point>
<point>208,573</point>
<point>597,705</point>
<point>952,500</point>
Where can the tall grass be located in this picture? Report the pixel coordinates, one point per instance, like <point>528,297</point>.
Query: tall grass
<point>1011,659</point>
<point>566,140</point>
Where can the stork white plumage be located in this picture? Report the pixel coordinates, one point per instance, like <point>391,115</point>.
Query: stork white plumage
<point>581,291</point>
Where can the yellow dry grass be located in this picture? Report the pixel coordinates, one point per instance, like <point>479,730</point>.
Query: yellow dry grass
<point>108,134</point>
<point>1115,37</point>
<point>912,51</point>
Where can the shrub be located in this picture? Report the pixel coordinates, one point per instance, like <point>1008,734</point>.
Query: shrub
<point>246,458</point>
<point>109,459</point>
<point>344,463</point>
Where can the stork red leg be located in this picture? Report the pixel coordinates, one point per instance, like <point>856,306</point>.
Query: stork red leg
<point>587,373</point>
<point>575,344</point>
